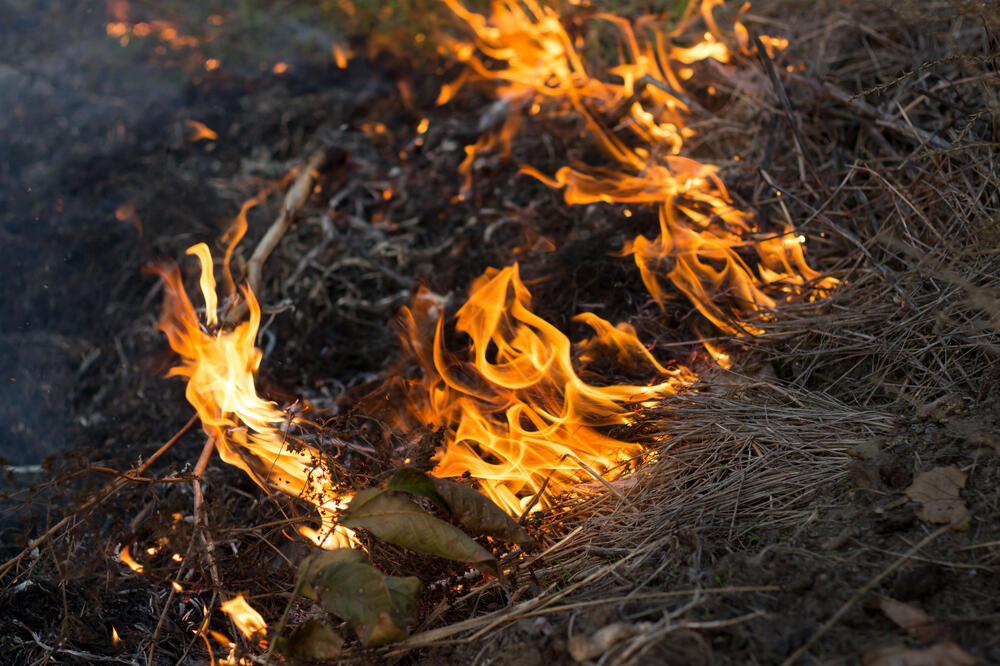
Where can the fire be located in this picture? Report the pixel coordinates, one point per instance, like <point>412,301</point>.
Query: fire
<point>197,131</point>
<point>519,408</point>
<point>703,236</point>
<point>339,56</point>
<point>219,364</point>
<point>244,616</point>
<point>127,558</point>
<point>518,413</point>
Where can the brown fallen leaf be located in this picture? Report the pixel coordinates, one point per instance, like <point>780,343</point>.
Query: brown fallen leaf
<point>937,493</point>
<point>314,641</point>
<point>913,620</point>
<point>939,654</point>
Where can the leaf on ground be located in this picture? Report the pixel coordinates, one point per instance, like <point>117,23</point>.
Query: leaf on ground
<point>417,482</point>
<point>399,521</point>
<point>937,493</point>
<point>939,654</point>
<point>480,514</point>
<point>379,608</point>
<point>472,509</point>
<point>912,619</point>
<point>314,640</point>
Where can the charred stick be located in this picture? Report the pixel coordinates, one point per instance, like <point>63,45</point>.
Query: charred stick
<point>786,105</point>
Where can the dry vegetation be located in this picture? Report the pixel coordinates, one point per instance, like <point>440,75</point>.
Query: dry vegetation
<point>770,522</point>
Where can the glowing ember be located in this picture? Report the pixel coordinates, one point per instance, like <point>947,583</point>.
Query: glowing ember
<point>247,620</point>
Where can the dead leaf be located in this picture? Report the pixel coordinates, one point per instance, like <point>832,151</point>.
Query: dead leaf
<point>939,654</point>
<point>913,620</point>
<point>316,641</point>
<point>937,492</point>
<point>584,648</point>
<point>399,521</point>
<point>379,608</point>
<point>475,511</point>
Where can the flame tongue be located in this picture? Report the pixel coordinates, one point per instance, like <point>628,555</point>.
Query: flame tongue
<point>517,410</point>
<point>249,432</point>
<point>702,235</point>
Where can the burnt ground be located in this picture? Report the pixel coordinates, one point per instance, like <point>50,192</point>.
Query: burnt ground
<point>805,521</point>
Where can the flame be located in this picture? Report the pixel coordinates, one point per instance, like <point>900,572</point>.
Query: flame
<point>114,636</point>
<point>244,616</point>
<point>519,415</point>
<point>198,131</point>
<point>519,404</point>
<point>340,55</point>
<point>219,364</point>
<point>703,237</point>
<point>126,557</point>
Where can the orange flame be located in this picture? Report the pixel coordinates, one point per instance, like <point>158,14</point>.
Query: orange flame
<point>516,409</point>
<point>703,237</point>
<point>197,131</point>
<point>219,364</point>
<point>244,616</point>
<point>340,55</point>
<point>127,558</point>
<point>518,413</point>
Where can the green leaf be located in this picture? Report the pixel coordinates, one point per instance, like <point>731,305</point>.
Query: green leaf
<point>404,593</point>
<point>311,566</point>
<point>399,521</point>
<point>314,640</point>
<point>379,608</point>
<point>474,510</point>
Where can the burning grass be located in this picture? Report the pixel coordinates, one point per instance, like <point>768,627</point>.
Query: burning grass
<point>765,508</point>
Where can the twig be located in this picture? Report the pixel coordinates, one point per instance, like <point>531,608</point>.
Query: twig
<point>206,454</point>
<point>795,656</point>
<point>105,494</point>
<point>786,105</point>
<point>295,199</point>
